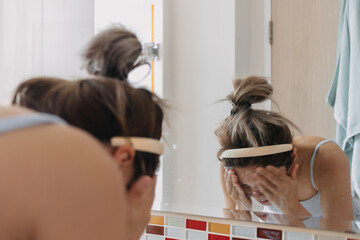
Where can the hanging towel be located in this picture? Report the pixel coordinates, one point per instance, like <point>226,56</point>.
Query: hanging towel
<point>344,94</point>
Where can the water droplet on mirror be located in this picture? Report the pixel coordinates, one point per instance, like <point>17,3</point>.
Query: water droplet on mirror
<point>174,146</point>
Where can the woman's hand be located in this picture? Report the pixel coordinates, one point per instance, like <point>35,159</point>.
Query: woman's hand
<point>280,189</point>
<point>243,215</point>
<point>283,219</point>
<point>140,199</point>
<point>235,191</point>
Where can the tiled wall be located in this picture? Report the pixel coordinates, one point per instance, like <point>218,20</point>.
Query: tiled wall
<point>174,226</point>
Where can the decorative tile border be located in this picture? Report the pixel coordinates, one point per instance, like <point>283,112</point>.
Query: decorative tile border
<point>177,226</point>
<point>269,233</point>
<point>175,233</point>
<point>219,228</point>
<point>156,220</point>
<point>298,235</point>
<point>196,225</point>
<point>156,230</point>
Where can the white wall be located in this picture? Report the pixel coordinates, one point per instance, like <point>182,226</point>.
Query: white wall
<point>207,43</point>
<point>67,27</point>
<point>249,30</point>
<point>199,64</point>
<point>20,43</point>
<point>42,38</point>
<point>253,50</point>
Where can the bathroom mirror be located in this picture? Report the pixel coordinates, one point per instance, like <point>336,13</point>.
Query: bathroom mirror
<point>204,45</point>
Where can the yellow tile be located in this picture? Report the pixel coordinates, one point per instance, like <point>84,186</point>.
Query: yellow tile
<point>157,220</point>
<point>219,228</point>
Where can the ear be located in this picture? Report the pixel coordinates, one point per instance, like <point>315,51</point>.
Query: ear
<point>124,156</point>
<point>294,154</point>
<point>294,166</point>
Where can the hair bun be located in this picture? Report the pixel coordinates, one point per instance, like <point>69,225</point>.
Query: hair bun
<point>240,104</point>
<point>113,53</point>
<point>248,91</point>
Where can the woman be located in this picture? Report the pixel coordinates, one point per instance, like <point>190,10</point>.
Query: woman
<point>301,176</point>
<point>57,182</point>
<point>127,120</point>
<point>113,53</point>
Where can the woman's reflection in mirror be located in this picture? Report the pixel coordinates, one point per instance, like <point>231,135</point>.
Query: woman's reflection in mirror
<point>113,53</point>
<point>306,177</point>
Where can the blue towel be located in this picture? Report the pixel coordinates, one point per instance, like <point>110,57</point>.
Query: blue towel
<point>344,94</point>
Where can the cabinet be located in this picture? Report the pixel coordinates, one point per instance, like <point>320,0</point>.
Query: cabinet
<point>303,62</point>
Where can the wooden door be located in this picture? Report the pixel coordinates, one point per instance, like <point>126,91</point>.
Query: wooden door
<point>303,61</point>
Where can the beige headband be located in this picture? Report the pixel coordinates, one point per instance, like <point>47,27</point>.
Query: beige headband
<point>150,145</point>
<point>256,151</point>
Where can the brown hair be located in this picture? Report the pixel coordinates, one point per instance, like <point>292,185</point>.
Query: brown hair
<point>103,107</point>
<point>248,127</point>
<point>113,53</point>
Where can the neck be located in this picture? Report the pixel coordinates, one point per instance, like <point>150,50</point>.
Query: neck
<point>302,158</point>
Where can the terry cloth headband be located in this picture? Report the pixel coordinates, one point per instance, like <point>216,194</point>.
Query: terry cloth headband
<point>150,145</point>
<point>256,151</point>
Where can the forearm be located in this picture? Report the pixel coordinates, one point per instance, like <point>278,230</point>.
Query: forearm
<point>287,219</point>
<point>336,224</point>
<point>230,203</point>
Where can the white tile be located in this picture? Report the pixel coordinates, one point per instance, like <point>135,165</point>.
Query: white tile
<point>175,221</point>
<point>297,236</point>
<point>329,238</point>
<point>244,231</point>
<point>153,237</point>
<point>195,235</point>
<point>175,233</point>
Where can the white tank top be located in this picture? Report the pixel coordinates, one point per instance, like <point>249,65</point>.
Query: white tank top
<point>12,123</point>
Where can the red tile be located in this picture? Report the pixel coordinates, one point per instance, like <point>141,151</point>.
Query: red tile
<point>197,225</point>
<point>170,239</point>
<point>157,230</point>
<point>217,237</point>
<point>269,233</point>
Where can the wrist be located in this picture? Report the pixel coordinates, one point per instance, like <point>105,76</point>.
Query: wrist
<point>230,204</point>
<point>241,206</point>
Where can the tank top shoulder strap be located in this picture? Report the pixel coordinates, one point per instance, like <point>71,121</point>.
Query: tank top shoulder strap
<point>313,160</point>
<point>12,123</point>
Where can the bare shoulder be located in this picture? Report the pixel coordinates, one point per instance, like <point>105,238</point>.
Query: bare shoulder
<point>332,179</point>
<point>308,140</point>
<point>14,110</point>
<point>331,161</point>
<point>55,141</point>
<point>57,178</point>
<point>330,152</point>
